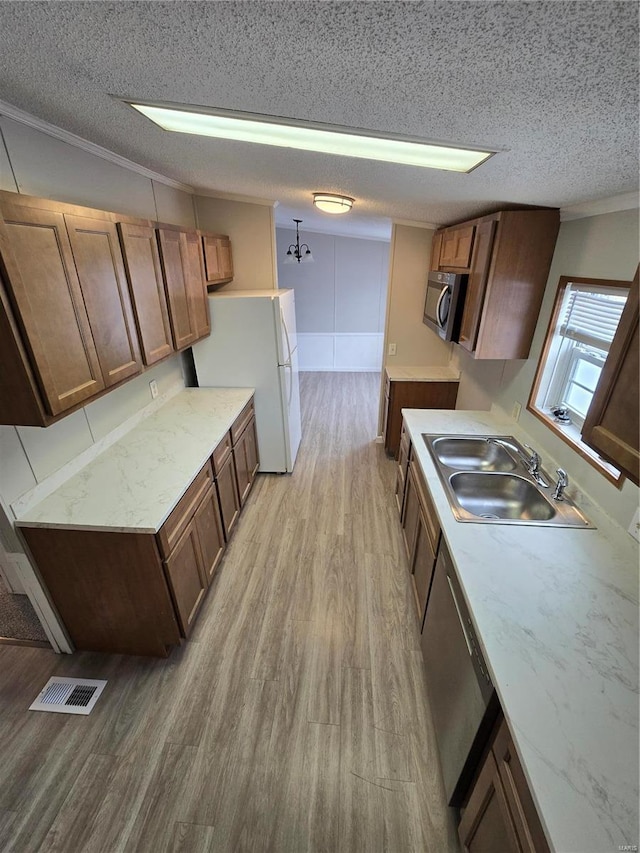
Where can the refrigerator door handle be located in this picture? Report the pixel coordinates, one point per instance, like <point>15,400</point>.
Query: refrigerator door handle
<point>286,334</point>
<point>289,366</point>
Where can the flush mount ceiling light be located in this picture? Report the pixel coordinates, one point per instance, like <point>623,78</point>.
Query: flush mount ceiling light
<point>332,202</point>
<point>312,136</point>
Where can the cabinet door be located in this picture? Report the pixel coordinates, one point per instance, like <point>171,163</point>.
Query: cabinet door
<point>228,496</point>
<point>611,426</point>
<point>225,258</point>
<point>217,258</point>
<point>477,284</point>
<point>142,263</point>
<point>245,453</point>
<point>210,534</point>
<point>486,825</point>
<point>457,244</point>
<point>523,811</point>
<point>411,514</point>
<point>436,248</point>
<point>39,272</point>
<point>193,266</point>
<point>98,260</point>
<point>187,577</point>
<point>176,279</point>
<point>423,562</point>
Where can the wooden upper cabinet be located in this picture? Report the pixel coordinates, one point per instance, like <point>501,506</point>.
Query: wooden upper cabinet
<point>611,426</point>
<point>436,248</point>
<point>96,251</point>
<point>218,260</point>
<point>40,276</point>
<point>193,263</point>
<point>456,247</point>
<point>477,284</point>
<point>507,256</point>
<point>177,283</point>
<point>183,270</point>
<point>147,289</point>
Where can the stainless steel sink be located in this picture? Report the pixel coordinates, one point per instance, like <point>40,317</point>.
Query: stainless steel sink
<point>471,454</point>
<point>494,496</point>
<point>486,480</point>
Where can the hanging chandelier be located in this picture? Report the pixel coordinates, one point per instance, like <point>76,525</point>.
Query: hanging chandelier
<point>298,252</point>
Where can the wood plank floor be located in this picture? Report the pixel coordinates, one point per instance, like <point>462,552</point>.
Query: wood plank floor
<point>296,717</point>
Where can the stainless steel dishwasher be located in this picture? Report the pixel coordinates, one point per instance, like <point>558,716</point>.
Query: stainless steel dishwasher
<point>463,702</point>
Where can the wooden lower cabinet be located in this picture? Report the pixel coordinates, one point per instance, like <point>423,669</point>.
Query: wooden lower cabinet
<point>413,395</point>
<point>245,454</point>
<point>139,593</point>
<point>423,563</point>
<point>500,814</point>
<point>228,496</point>
<point>208,523</point>
<point>187,577</point>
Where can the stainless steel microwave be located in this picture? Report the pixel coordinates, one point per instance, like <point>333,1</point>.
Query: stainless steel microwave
<point>444,303</point>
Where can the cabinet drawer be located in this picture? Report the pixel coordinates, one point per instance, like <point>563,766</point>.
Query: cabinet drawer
<point>240,423</point>
<point>429,510</point>
<point>180,517</point>
<point>221,454</point>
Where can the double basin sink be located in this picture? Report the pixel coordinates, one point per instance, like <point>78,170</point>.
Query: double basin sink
<point>487,480</point>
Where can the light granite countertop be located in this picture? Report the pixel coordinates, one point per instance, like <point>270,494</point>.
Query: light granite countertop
<point>134,484</point>
<point>422,374</point>
<point>556,613</point>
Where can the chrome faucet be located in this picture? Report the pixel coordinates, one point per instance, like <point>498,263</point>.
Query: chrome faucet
<point>531,463</point>
<point>561,485</point>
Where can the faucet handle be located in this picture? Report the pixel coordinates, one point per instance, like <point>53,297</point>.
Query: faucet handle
<point>534,459</point>
<point>561,484</point>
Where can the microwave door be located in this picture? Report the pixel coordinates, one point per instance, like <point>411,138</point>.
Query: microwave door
<point>442,307</point>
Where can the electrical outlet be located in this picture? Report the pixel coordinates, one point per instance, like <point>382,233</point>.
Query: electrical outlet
<point>153,387</point>
<point>392,349</point>
<point>634,527</point>
<point>515,411</point>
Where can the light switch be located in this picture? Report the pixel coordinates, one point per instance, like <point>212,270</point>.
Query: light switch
<point>153,387</point>
<point>392,349</point>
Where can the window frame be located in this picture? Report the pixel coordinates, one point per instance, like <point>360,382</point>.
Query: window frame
<point>577,445</point>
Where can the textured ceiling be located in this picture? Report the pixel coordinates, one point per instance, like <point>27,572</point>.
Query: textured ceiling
<point>552,84</point>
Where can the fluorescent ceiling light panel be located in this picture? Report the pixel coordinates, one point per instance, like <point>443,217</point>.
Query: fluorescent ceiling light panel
<point>325,139</point>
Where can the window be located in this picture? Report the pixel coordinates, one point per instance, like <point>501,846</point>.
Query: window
<point>584,320</point>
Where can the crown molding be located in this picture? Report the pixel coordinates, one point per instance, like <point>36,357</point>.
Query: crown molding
<point>624,201</point>
<point>411,223</point>
<point>244,199</point>
<point>9,111</point>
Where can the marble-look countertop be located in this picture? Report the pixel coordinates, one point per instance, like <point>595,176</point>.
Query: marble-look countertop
<point>556,613</point>
<point>422,374</point>
<point>134,485</point>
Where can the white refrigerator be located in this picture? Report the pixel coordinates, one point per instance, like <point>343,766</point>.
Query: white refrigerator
<point>253,344</point>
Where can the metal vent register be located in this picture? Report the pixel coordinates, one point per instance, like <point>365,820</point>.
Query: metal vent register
<point>68,695</point>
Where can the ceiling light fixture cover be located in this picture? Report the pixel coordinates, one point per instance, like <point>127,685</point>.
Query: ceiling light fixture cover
<point>333,202</point>
<point>312,136</point>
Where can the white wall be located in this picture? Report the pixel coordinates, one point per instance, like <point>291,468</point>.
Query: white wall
<point>251,228</point>
<point>47,167</point>
<point>604,246</point>
<point>340,299</point>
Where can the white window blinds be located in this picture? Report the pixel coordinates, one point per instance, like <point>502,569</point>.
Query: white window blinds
<point>591,315</point>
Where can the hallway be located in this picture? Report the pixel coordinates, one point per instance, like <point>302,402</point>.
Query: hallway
<point>294,719</point>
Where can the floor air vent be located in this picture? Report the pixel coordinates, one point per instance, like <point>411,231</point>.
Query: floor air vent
<point>68,695</point>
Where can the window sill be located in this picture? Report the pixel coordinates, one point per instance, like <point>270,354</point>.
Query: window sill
<point>569,434</point>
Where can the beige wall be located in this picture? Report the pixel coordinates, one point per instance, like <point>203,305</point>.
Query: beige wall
<point>47,167</point>
<point>251,228</point>
<point>603,246</point>
<point>417,345</point>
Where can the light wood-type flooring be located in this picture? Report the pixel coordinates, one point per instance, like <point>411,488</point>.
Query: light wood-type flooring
<point>295,719</point>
